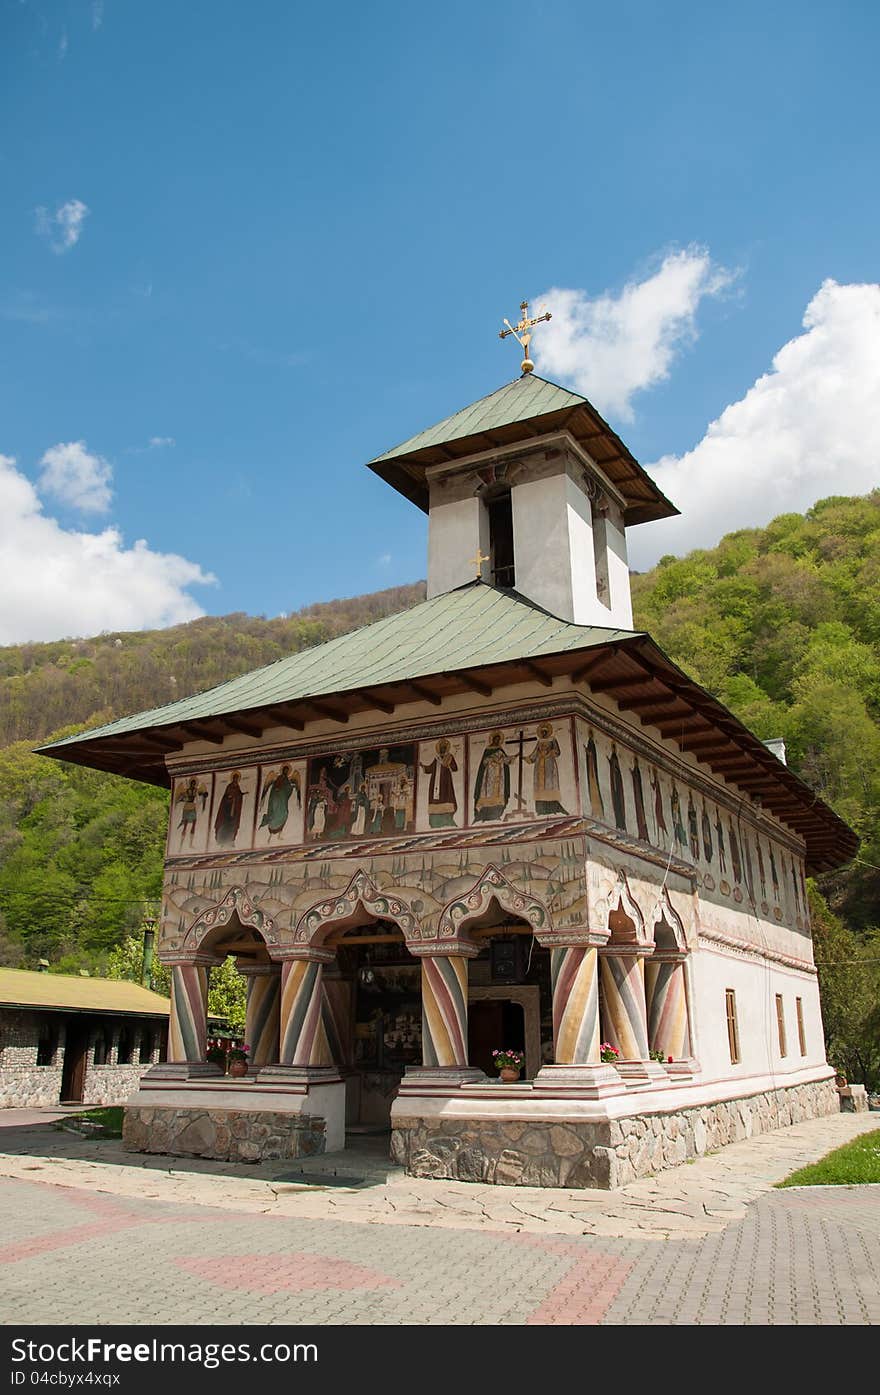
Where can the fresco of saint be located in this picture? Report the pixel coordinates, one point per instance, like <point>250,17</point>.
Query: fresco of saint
<point>228,817</point>
<point>706,828</point>
<point>618,796</point>
<point>680,834</point>
<point>442,803</point>
<point>692,826</point>
<point>659,816</point>
<point>762,872</point>
<point>719,833</point>
<point>597,806</point>
<point>190,796</point>
<point>774,876</point>
<point>639,799</point>
<point>734,852</point>
<point>277,792</point>
<point>360,810</point>
<point>321,805</point>
<point>545,758</point>
<point>750,876</point>
<point>492,784</point>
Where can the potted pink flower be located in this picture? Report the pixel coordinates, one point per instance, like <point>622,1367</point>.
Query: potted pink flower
<point>609,1054</point>
<point>508,1064</point>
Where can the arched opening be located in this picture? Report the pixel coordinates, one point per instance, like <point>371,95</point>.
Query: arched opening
<point>510,1004</point>
<point>243,994</point>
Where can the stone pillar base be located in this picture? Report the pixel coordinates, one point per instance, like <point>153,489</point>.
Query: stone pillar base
<point>442,1076</point>
<point>641,1073</point>
<point>184,1070</point>
<point>297,1075</point>
<point>588,1081</point>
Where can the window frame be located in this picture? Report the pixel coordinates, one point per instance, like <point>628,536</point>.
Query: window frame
<point>732,1026</point>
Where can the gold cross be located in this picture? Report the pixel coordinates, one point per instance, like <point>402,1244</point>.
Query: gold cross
<point>522,332</point>
<point>478,563</point>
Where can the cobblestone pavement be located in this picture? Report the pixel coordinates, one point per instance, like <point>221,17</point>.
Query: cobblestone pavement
<point>70,1255</point>
<point>91,1234</point>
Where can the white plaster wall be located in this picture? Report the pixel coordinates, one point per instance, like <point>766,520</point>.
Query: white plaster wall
<point>756,984</point>
<point>618,576</point>
<point>542,544</point>
<point>455,531</point>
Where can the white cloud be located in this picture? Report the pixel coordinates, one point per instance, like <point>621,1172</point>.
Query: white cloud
<point>158,442</point>
<point>613,346</point>
<point>97,13</point>
<point>73,475</point>
<point>384,559</point>
<point>807,429</point>
<point>59,581</point>
<point>63,228</point>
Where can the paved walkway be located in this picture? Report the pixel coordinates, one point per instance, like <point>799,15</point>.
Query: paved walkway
<point>710,1242</point>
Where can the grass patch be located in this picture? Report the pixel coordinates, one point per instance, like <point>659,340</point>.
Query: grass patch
<point>848,1166</point>
<point>109,1117</point>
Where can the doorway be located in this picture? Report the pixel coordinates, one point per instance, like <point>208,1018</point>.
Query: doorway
<point>495,1024</point>
<point>73,1071</point>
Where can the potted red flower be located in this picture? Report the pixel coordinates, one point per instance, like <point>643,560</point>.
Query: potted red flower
<point>508,1064</point>
<point>238,1060</point>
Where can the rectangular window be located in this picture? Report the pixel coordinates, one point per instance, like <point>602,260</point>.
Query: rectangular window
<point>802,1036</point>
<point>501,540</point>
<point>732,1028</point>
<point>780,1025</point>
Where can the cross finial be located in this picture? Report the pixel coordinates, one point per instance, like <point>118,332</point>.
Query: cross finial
<point>522,332</point>
<point>478,563</point>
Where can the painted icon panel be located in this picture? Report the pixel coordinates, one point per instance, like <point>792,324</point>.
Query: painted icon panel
<point>441,798</point>
<point>280,805</point>
<point>361,794</point>
<point>189,816</point>
<point>522,772</point>
<point>232,813</point>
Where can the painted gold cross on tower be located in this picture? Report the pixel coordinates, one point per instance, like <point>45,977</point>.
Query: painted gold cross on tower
<point>522,332</point>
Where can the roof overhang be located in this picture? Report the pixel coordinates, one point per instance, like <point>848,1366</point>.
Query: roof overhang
<point>631,670</point>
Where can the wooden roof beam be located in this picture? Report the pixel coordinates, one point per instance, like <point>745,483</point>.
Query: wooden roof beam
<point>201,734</point>
<point>425,694</point>
<point>538,673</point>
<point>244,726</point>
<point>593,664</point>
<point>477,685</point>
<point>324,709</point>
<point>283,713</point>
<point>703,742</point>
<point>613,686</point>
<point>679,729</point>
<point>382,703</point>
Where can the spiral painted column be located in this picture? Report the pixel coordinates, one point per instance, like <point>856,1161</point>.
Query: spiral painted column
<point>625,1017</point>
<point>263,1016</point>
<point>303,1037</point>
<point>574,976</point>
<point>444,1010</point>
<point>666,993</point>
<point>188,1026</point>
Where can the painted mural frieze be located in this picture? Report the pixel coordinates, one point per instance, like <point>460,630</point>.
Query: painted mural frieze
<point>356,794</point>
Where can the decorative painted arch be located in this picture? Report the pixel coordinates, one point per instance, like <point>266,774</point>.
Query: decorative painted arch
<point>668,927</point>
<point>237,902</point>
<point>361,894</point>
<point>626,922</point>
<point>492,885</point>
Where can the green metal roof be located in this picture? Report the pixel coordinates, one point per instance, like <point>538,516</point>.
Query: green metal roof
<point>524,398</point>
<point>471,627</point>
<point>25,988</point>
<point>523,410</point>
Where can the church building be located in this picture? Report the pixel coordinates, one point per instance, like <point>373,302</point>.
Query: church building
<point>501,820</point>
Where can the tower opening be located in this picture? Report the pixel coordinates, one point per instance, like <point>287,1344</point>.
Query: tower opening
<point>500,512</point>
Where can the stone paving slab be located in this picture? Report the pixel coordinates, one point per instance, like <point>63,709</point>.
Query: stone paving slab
<point>85,1257</point>
<point>692,1201</point>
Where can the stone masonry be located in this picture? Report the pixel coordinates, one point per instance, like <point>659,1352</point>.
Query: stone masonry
<point>229,1134</point>
<point>607,1153</point>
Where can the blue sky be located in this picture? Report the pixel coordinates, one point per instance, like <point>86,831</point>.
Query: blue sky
<point>276,239</point>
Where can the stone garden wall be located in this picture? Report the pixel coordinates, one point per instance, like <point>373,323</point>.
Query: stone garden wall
<point>608,1153</point>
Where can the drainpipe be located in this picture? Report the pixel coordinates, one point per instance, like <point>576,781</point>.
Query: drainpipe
<point>149,946</point>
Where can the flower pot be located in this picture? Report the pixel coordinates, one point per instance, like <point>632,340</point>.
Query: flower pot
<point>508,1074</point>
<point>238,1069</point>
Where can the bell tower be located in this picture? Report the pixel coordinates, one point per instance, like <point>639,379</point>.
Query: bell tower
<point>532,482</point>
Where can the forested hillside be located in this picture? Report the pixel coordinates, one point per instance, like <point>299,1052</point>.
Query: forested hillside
<point>782,623</point>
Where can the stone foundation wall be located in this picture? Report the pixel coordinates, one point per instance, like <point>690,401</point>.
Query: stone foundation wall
<point>230,1135</point>
<point>111,1084</point>
<point>28,1087</point>
<point>607,1153</point>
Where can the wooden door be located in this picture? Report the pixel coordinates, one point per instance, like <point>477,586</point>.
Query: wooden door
<point>485,1033</point>
<point>73,1072</point>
